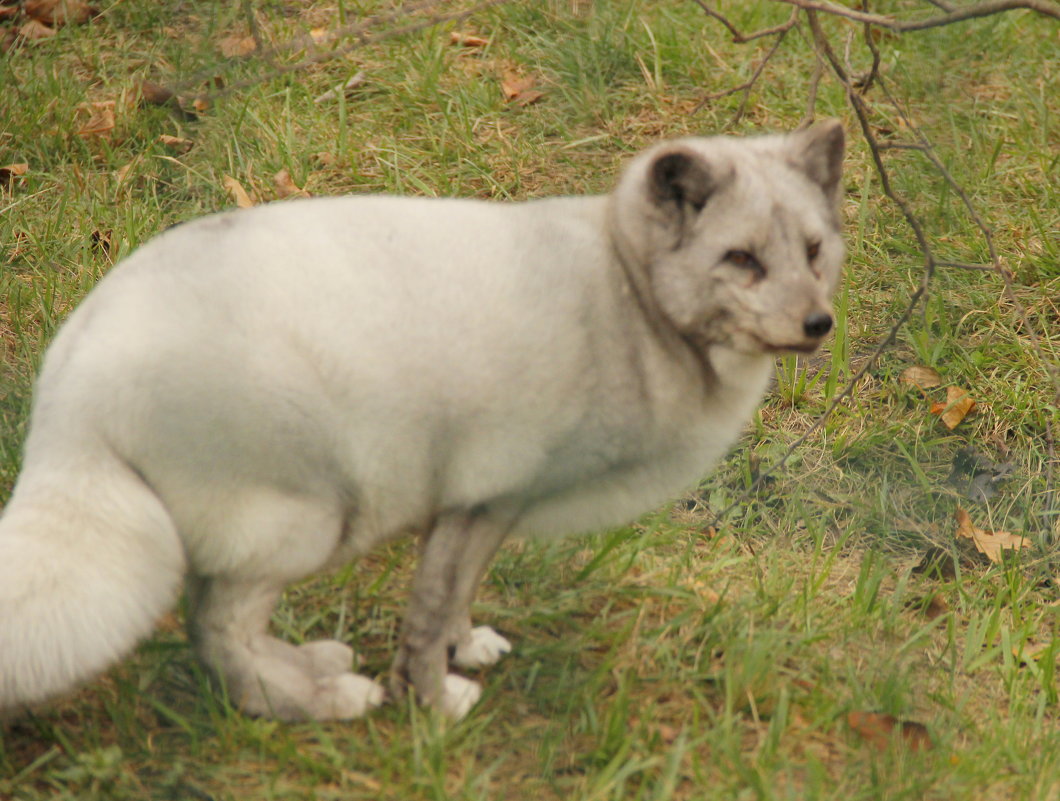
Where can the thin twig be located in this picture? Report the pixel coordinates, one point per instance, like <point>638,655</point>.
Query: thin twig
<point>743,38</point>
<point>867,81</point>
<point>958,265</point>
<point>811,93</point>
<point>747,86</point>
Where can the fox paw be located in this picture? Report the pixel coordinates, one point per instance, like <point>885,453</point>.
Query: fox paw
<point>458,696</point>
<point>483,647</point>
<point>347,696</point>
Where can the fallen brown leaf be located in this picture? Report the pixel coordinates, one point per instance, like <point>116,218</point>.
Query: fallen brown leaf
<point>467,40</point>
<point>177,144</point>
<point>877,729</point>
<point>957,406</point>
<point>8,12</point>
<point>920,376</point>
<point>989,543</point>
<point>101,121</point>
<point>932,606</point>
<point>285,185</point>
<point>155,94</point>
<point>58,12</point>
<point>520,90</point>
<point>33,31</point>
<point>528,97</point>
<point>237,192</point>
<point>237,46</point>
<point>9,172</point>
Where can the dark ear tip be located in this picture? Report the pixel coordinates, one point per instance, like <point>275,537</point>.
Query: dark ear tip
<point>669,165</point>
<point>829,129</point>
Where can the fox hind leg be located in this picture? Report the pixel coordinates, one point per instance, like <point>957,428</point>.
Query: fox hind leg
<point>264,675</point>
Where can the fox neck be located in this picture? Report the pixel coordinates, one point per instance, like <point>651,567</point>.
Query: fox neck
<point>693,354</point>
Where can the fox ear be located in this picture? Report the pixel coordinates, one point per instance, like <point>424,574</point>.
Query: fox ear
<point>682,178</point>
<point>818,152</point>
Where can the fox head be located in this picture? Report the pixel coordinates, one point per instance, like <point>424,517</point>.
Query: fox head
<point>736,242</point>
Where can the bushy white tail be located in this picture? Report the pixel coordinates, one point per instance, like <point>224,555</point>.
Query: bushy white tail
<point>89,560</point>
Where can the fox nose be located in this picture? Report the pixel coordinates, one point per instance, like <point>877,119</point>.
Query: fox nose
<point>817,324</point>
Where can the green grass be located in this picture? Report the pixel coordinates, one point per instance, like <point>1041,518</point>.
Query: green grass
<point>660,661</point>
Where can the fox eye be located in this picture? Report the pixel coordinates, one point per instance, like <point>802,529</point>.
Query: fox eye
<point>812,250</point>
<point>744,260</point>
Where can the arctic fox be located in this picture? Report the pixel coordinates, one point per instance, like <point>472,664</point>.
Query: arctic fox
<point>259,395</point>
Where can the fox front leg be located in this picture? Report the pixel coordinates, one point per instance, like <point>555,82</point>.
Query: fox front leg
<point>454,556</point>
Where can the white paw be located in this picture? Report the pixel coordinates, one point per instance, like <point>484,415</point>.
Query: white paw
<point>483,647</point>
<point>347,696</point>
<point>458,696</point>
<point>327,657</point>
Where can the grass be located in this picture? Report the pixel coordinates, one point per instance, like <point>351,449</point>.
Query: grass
<point>665,660</point>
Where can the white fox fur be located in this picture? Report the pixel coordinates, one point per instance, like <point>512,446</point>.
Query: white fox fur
<point>263,394</point>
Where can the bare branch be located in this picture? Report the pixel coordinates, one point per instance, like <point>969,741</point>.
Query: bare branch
<point>842,71</point>
<point>1047,8</point>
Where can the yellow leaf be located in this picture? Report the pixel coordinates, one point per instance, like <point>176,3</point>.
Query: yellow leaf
<point>989,543</point>
<point>237,192</point>
<point>285,185</point>
<point>957,406</point>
